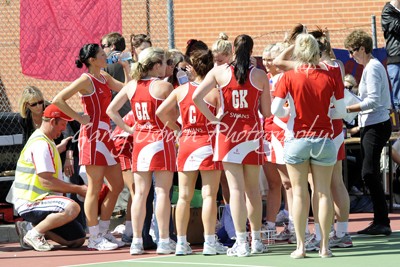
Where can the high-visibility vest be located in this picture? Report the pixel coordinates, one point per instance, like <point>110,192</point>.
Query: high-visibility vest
<point>27,184</point>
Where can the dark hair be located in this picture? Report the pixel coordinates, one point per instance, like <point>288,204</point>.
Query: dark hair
<point>86,52</point>
<point>116,39</point>
<point>193,45</point>
<point>323,42</point>
<point>138,39</point>
<point>202,62</point>
<point>172,79</point>
<point>299,28</point>
<point>243,45</point>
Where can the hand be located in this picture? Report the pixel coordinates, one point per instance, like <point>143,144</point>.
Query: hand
<point>253,61</point>
<point>63,145</point>
<point>82,190</point>
<point>286,183</point>
<point>69,167</point>
<point>191,73</point>
<point>85,119</point>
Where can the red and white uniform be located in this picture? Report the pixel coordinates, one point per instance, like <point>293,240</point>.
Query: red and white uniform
<point>153,144</point>
<point>123,142</point>
<point>309,95</point>
<point>239,135</point>
<point>95,144</point>
<point>274,129</point>
<point>338,137</point>
<point>197,138</point>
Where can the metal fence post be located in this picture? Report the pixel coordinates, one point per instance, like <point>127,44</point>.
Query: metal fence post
<point>373,31</point>
<point>171,30</point>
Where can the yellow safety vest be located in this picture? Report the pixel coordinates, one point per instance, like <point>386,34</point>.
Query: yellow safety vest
<point>27,184</point>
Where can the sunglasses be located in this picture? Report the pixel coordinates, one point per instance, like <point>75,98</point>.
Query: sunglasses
<point>354,50</point>
<point>349,87</point>
<point>36,103</point>
<point>104,46</point>
<point>170,62</point>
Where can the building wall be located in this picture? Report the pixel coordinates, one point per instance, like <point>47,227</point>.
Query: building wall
<point>267,21</point>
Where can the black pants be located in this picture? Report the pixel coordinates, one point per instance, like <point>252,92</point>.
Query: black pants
<point>373,139</point>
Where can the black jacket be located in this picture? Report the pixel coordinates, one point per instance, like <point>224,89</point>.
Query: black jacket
<point>391,31</point>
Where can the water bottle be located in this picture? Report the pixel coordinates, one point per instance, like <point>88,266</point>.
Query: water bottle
<point>125,56</point>
<point>182,76</point>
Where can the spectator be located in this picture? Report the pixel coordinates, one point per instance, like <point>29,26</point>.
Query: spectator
<point>139,42</point>
<point>391,31</point>
<point>375,125</point>
<point>39,186</point>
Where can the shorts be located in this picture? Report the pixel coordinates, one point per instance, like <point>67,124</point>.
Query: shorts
<point>320,151</point>
<point>35,212</point>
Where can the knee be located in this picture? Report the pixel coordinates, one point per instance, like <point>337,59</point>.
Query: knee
<point>76,243</point>
<point>72,210</point>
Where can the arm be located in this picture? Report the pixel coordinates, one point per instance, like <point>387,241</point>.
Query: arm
<point>57,185</point>
<point>167,111</point>
<point>82,85</point>
<point>114,84</point>
<point>283,61</point>
<point>202,90</point>
<point>278,109</point>
<point>390,23</point>
<point>265,99</point>
<point>118,101</point>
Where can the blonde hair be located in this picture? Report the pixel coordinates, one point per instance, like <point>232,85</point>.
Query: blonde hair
<point>278,48</point>
<point>30,92</point>
<point>306,51</point>
<point>176,55</point>
<point>222,45</point>
<point>350,79</point>
<point>146,61</point>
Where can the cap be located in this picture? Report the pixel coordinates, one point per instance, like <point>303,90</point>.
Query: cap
<point>52,111</point>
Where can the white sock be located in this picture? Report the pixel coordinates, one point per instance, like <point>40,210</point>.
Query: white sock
<point>209,239</point>
<point>341,229</point>
<point>94,230</point>
<point>164,240</point>
<point>181,239</point>
<point>317,231</point>
<point>104,226</point>
<point>34,232</point>
<point>241,237</point>
<point>137,240</point>
<point>256,235</point>
<point>128,228</point>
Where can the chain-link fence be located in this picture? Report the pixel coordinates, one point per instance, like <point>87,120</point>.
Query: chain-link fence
<point>138,16</point>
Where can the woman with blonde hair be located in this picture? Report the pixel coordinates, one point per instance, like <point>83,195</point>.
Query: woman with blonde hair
<point>308,139</point>
<point>96,148</point>
<point>153,147</point>
<point>222,50</point>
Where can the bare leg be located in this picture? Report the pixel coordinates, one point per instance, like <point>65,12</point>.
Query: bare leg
<point>274,191</point>
<point>340,195</point>
<point>210,180</point>
<point>187,182</point>
<point>163,203</point>
<point>115,181</point>
<point>253,196</point>
<point>143,182</point>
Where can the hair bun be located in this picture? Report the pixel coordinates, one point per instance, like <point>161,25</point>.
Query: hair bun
<point>223,36</point>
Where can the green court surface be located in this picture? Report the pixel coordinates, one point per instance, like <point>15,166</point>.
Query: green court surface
<point>376,251</point>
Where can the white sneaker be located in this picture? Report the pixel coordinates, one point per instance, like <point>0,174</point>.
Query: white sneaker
<point>183,249</point>
<point>136,249</point>
<point>38,242</point>
<point>110,237</point>
<point>100,243</point>
<point>282,217</point>
<point>165,248</point>
<point>172,244</point>
<point>239,250</point>
<point>268,233</point>
<point>214,248</point>
<point>258,247</point>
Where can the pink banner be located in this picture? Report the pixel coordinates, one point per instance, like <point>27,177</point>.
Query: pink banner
<point>53,31</point>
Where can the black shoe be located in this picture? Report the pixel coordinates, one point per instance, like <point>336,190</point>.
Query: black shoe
<point>376,229</point>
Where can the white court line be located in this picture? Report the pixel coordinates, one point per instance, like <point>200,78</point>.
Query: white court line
<point>199,263</point>
<point>154,261</point>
